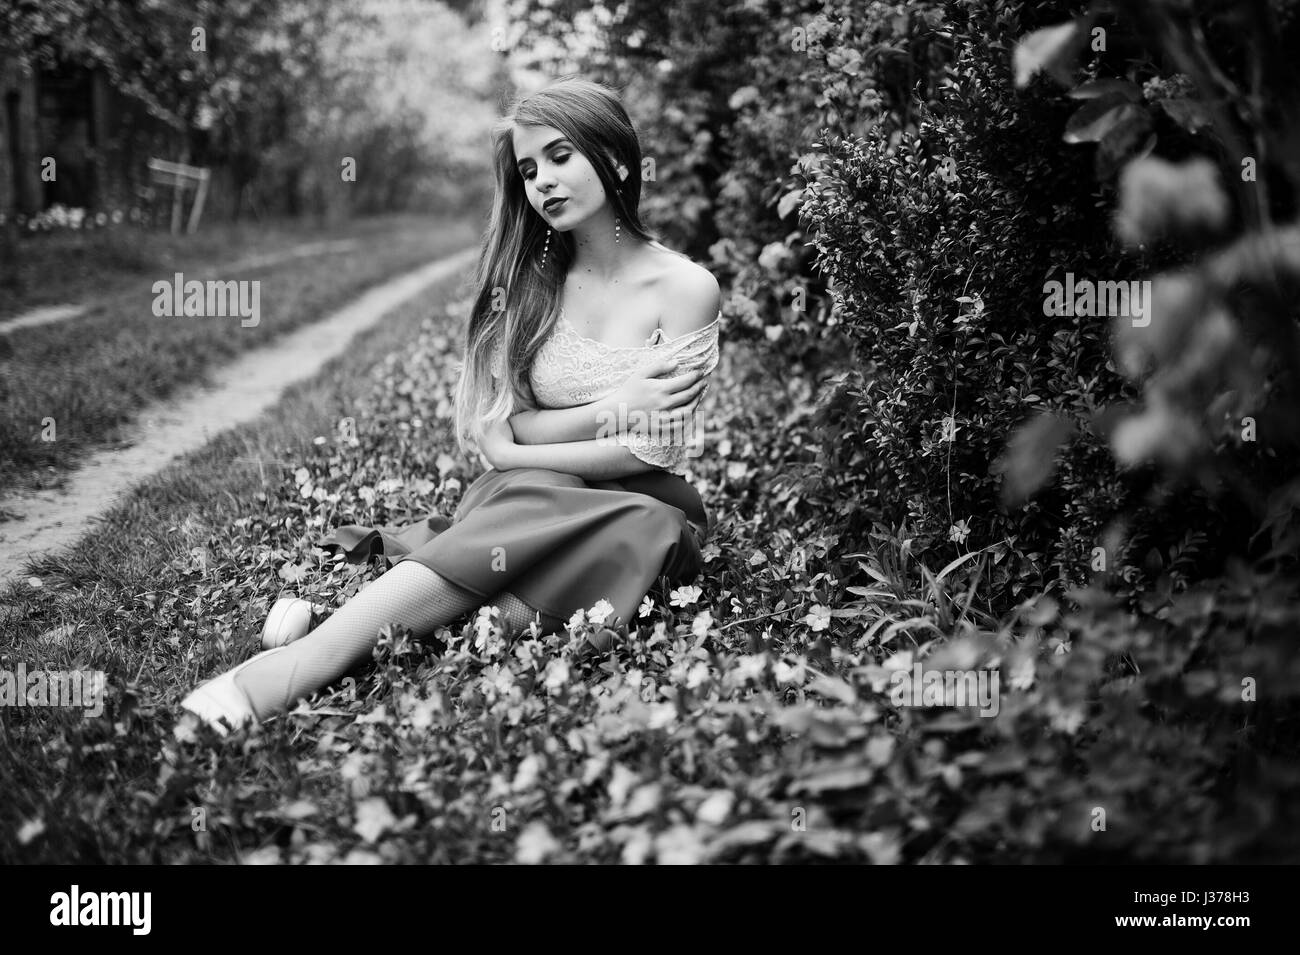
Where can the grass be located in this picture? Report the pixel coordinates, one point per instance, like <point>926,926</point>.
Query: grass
<point>130,601</point>
<point>69,265</point>
<point>748,721</point>
<point>172,586</point>
<point>93,373</point>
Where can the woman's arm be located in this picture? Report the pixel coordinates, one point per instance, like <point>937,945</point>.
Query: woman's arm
<point>594,460</point>
<point>643,391</point>
<point>558,425</point>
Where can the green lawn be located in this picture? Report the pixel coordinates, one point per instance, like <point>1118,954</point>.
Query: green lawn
<point>91,374</point>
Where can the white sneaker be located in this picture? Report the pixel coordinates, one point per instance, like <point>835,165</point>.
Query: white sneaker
<point>220,699</point>
<point>290,619</point>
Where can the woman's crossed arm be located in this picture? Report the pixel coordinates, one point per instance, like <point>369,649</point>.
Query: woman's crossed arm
<point>669,401</point>
<point>596,459</point>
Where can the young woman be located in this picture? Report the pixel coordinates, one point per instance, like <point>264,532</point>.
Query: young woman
<point>589,346</point>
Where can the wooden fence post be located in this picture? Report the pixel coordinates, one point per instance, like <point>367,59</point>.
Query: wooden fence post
<point>202,195</point>
<point>177,193</point>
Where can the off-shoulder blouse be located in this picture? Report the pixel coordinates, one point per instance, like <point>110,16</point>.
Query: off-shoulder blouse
<point>571,369</point>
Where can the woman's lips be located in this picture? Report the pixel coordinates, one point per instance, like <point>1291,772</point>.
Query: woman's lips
<point>554,207</point>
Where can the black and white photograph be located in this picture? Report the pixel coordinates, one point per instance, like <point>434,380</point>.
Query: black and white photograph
<point>651,432</point>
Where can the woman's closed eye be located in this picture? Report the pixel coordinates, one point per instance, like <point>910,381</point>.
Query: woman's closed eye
<point>558,160</point>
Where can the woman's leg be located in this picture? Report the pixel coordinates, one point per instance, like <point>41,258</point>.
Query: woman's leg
<point>515,614</point>
<point>409,593</point>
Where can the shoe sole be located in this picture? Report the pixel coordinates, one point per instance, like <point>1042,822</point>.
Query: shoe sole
<point>292,618</point>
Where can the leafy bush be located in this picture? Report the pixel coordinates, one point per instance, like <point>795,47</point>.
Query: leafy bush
<point>938,243</point>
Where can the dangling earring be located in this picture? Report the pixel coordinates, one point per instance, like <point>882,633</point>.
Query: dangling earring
<point>617,225</point>
<point>546,247</point>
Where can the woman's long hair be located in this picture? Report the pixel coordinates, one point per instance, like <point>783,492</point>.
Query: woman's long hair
<point>517,300</point>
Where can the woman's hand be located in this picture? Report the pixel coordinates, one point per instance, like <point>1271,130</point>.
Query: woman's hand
<point>498,445</point>
<point>667,401</point>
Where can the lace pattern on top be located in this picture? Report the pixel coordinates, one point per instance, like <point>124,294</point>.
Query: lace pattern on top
<point>571,369</point>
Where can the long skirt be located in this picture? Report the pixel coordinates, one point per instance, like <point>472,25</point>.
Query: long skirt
<point>557,542</point>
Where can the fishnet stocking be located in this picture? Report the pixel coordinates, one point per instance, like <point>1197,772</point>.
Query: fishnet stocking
<point>409,593</point>
<point>515,614</point>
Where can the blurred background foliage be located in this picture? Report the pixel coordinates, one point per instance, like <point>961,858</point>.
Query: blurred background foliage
<point>272,95</point>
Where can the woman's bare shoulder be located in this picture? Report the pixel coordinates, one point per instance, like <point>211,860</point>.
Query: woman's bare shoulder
<point>691,298</point>
<point>660,247</point>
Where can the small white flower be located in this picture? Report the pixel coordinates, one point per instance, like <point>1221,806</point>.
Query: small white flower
<point>600,612</point>
<point>535,844</point>
<point>646,608</point>
<point>30,830</point>
<point>785,673</point>
<point>680,845</point>
<point>773,254</point>
<point>483,627</point>
<point>527,651</point>
<point>684,596</point>
<point>700,625</point>
<point>818,618</point>
<point>715,809</point>
<point>959,532</point>
<point>496,681</point>
<point>661,715</point>
<point>529,771</point>
<point>751,666</point>
<point>557,674</point>
<point>1065,719</point>
<point>577,620</point>
<point>698,675</point>
<point>1022,674</point>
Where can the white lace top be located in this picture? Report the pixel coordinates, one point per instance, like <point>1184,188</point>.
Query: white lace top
<point>571,369</point>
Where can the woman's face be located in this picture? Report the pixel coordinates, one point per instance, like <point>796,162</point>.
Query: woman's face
<point>553,169</point>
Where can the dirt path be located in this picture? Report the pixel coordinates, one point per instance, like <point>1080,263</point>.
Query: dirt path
<point>244,389</point>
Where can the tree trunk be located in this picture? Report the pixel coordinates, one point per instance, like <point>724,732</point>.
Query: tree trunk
<point>29,193</point>
<point>10,75</point>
